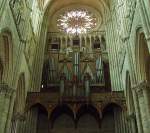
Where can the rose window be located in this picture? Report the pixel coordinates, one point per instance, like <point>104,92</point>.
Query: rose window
<point>76,22</point>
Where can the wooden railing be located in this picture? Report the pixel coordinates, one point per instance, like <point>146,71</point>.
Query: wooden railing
<point>98,100</point>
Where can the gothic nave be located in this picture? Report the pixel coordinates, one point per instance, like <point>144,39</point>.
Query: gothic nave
<point>79,66</point>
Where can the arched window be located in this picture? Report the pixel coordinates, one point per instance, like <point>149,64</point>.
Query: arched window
<point>6,51</point>
<point>6,46</point>
<point>142,57</point>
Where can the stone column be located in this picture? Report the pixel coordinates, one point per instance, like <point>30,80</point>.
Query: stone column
<point>132,123</point>
<point>5,102</point>
<point>17,120</point>
<point>11,108</point>
<point>30,124</point>
<point>62,84</point>
<point>87,84</point>
<point>137,111</point>
<point>143,90</point>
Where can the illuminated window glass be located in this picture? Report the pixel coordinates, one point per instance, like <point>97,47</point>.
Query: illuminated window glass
<point>77,21</point>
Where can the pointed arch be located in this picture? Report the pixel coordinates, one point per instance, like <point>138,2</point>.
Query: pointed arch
<point>111,105</point>
<point>6,47</point>
<point>88,109</point>
<point>87,69</point>
<point>40,107</point>
<point>142,57</point>
<point>59,111</point>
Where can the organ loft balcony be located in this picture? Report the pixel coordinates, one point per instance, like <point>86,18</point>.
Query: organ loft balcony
<point>76,72</point>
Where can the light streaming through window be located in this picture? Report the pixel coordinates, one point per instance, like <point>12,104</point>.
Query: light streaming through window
<point>76,21</point>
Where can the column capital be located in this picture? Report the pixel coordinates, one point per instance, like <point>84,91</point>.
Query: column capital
<point>131,116</point>
<point>18,116</point>
<point>141,86</point>
<point>5,89</point>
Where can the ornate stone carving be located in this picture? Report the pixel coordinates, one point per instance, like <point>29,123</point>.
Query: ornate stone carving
<point>87,77</point>
<point>144,85</point>
<point>18,11</point>
<point>6,90</point>
<point>18,116</point>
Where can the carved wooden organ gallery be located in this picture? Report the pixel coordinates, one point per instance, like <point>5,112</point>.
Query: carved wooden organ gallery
<point>76,75</point>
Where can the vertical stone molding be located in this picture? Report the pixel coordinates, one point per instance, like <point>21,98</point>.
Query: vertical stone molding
<point>17,120</point>
<point>143,93</point>
<point>132,122</point>
<point>137,112</point>
<point>5,102</point>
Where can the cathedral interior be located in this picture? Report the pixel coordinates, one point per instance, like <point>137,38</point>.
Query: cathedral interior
<point>78,66</point>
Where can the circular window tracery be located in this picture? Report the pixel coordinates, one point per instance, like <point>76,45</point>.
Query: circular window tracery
<point>77,21</point>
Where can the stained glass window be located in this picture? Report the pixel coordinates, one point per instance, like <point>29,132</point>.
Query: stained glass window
<point>77,21</point>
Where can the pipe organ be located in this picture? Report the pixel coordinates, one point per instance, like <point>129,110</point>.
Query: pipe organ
<point>76,64</point>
